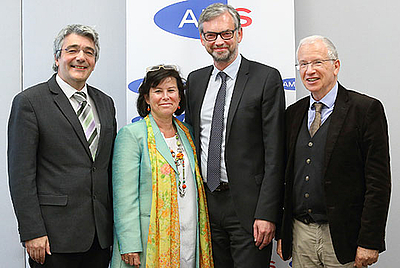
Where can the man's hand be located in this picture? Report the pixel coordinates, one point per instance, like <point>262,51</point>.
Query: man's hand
<point>37,248</point>
<point>264,232</point>
<point>365,257</point>
<point>131,259</point>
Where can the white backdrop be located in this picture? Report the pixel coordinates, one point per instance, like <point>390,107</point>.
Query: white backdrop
<point>167,33</point>
<point>363,33</point>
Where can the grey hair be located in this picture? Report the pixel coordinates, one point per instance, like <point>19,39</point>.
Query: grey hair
<point>332,52</point>
<point>77,29</point>
<point>215,10</point>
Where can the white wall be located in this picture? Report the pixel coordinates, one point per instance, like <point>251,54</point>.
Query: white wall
<point>367,36</point>
<point>41,21</point>
<point>365,33</point>
<point>11,254</point>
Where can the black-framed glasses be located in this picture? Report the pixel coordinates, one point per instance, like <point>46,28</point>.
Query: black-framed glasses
<point>161,66</point>
<point>73,51</point>
<point>225,35</point>
<point>303,65</point>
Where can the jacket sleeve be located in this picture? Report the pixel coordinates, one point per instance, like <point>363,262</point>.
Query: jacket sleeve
<point>273,107</point>
<point>375,150</point>
<point>23,140</point>
<point>125,182</point>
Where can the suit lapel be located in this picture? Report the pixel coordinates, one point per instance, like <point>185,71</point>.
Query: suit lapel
<point>161,145</point>
<point>296,122</point>
<point>64,105</point>
<point>241,80</point>
<point>293,125</point>
<point>199,90</point>
<point>338,117</point>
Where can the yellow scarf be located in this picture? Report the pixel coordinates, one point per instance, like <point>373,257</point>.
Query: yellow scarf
<point>163,244</point>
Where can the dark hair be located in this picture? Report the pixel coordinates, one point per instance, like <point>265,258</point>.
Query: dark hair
<point>153,79</point>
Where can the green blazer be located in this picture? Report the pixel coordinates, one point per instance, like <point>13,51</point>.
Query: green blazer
<point>132,187</point>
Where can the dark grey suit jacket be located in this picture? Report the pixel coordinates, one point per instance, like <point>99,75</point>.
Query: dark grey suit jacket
<point>254,138</point>
<point>356,173</point>
<point>56,188</point>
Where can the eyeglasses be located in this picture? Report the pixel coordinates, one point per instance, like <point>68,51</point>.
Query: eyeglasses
<point>73,51</point>
<point>225,35</point>
<point>314,64</point>
<point>161,66</point>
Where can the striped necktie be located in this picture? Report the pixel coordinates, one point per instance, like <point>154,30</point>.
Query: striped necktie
<point>85,115</point>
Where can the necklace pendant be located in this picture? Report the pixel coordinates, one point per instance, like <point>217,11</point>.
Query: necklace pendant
<point>182,190</point>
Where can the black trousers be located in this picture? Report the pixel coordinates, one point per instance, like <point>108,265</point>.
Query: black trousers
<point>95,257</point>
<point>232,245</point>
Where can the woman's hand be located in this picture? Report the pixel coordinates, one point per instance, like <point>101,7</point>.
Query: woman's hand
<point>131,259</point>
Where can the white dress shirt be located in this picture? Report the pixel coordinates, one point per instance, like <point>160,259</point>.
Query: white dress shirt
<point>207,109</point>
<point>69,91</point>
<point>328,102</point>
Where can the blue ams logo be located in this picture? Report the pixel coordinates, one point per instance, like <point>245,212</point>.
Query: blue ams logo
<point>289,84</point>
<point>182,18</point>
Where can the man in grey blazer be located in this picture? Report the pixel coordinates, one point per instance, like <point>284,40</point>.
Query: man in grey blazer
<point>242,158</point>
<point>59,168</point>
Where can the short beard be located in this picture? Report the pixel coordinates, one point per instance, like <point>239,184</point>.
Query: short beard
<point>224,57</point>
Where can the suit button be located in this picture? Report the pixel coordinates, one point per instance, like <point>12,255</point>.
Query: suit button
<point>310,144</point>
<point>93,169</point>
<point>308,161</point>
<point>307,178</point>
<point>306,195</point>
<point>94,197</point>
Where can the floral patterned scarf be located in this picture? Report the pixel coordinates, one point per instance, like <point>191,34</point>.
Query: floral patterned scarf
<point>163,244</point>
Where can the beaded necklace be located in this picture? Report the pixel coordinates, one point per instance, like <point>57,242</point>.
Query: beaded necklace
<point>179,161</point>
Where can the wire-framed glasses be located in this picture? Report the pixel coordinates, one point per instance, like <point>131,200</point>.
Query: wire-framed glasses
<point>73,51</point>
<point>303,65</point>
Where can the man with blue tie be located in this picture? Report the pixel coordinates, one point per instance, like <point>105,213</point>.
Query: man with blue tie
<point>60,141</point>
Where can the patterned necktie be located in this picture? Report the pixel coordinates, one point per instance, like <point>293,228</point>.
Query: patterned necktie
<point>85,115</point>
<point>214,146</point>
<point>317,119</point>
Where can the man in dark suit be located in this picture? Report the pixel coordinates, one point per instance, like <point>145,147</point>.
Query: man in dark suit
<point>337,182</point>
<point>59,162</point>
<point>241,157</point>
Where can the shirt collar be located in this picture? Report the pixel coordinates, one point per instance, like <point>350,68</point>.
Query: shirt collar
<point>67,88</point>
<point>328,100</point>
<point>231,70</point>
